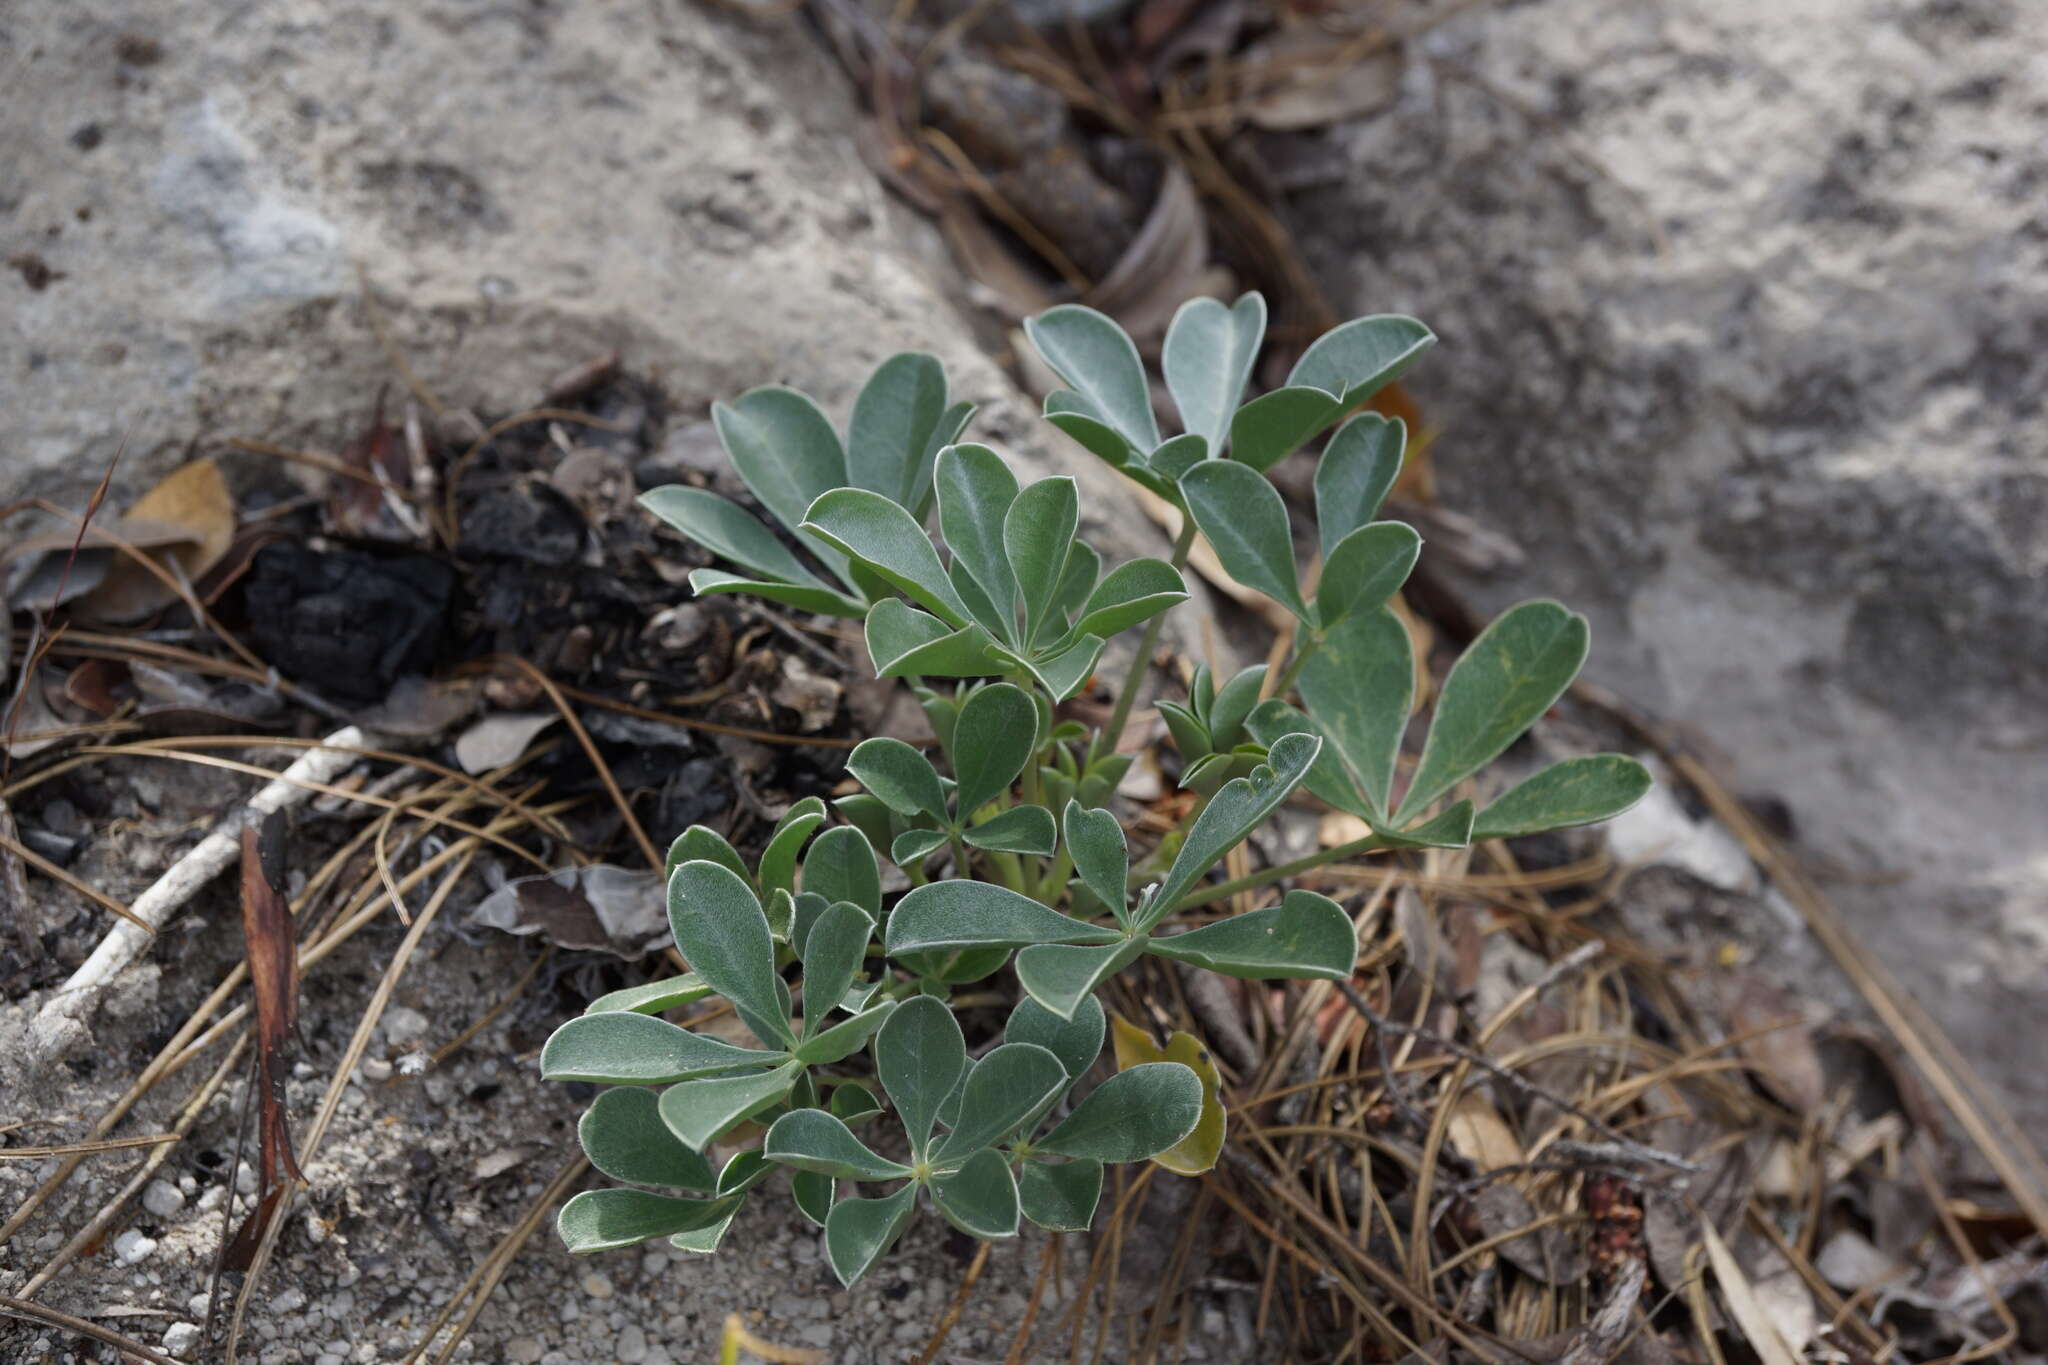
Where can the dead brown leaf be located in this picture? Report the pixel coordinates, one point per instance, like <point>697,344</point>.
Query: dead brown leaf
<point>192,501</point>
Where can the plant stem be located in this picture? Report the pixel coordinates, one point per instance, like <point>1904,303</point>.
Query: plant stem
<point>1310,641</point>
<point>1265,877</point>
<point>1107,738</point>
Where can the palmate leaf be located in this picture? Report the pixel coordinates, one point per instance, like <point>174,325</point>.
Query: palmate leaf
<point>1020,829</point>
<point>1517,668</point>
<point>1062,673</point>
<point>605,1220</point>
<point>1359,688</point>
<point>813,1140</point>
<point>1038,535</point>
<point>965,914</point>
<point>620,1047</point>
<point>888,438</point>
<point>1098,361</point>
<point>920,1056</point>
<point>1007,1088</point>
<point>992,741</point>
<point>723,934</point>
<point>784,449</point>
<point>859,1232</point>
<point>1232,813</point>
<point>1245,522</point>
<point>1207,361</point>
<point>886,540</point>
<point>1358,469</point>
<point>832,956</point>
<point>802,596</point>
<point>1059,1196</point>
<point>980,1198</point>
<point>1305,935</point>
<point>1132,1116</point>
<point>624,1137</point>
<point>976,490</point>
<point>1578,791</point>
<point>1061,977</point>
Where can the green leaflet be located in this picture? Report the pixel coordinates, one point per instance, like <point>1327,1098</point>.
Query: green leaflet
<point>1004,1090</point>
<point>1359,688</point>
<point>1327,776</point>
<point>1060,1196</point>
<point>1306,935</point>
<point>980,1198</point>
<point>653,997</point>
<point>620,1047</point>
<point>859,1232</point>
<point>841,867</point>
<point>813,1140</point>
<point>880,535</point>
<point>1244,520</point>
<point>1354,361</point>
<point>1076,1042</point>
<point>624,1137</point>
<point>1367,567</point>
<point>1506,679</point>
<point>1060,977</point>
<point>1098,361</point>
<point>902,777</point>
<point>604,1220</point>
<point>1234,812</point>
<point>699,1112</point>
<point>920,1056</point>
<point>727,530</point>
<point>723,934</point>
<point>784,449</point>
<point>1578,791</point>
<point>997,730</point>
<point>802,596</point>
<point>1207,361</point>
<point>701,842</point>
<point>1133,1116</point>
<point>1274,425</point>
<point>1096,843</point>
<point>903,641</point>
<point>976,490</point>
<point>832,958</point>
<point>1132,593</point>
<point>965,914</point>
<point>778,860</point>
<point>894,419</point>
<point>1038,533</point>
<point>844,1038</point>
<point>1020,829</point>
<point>1358,469</point>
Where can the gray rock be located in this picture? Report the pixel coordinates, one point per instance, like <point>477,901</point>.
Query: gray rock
<point>181,1338</point>
<point>162,1199</point>
<point>1745,341</point>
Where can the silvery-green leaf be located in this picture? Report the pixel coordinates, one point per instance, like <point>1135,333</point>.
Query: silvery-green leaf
<point>1305,935</point>
<point>1234,701</point>
<point>605,1220</point>
<point>1134,1115</point>
<point>1359,688</point>
<point>859,1232</point>
<point>1367,567</point>
<point>915,845</point>
<point>854,1103</point>
<point>1065,410</point>
<point>980,1198</point>
<point>887,539</point>
<point>1077,582</point>
<point>1236,810</point>
<point>920,1056</point>
<point>724,936</point>
<point>951,423</point>
<point>1190,734</point>
<point>1077,1042</point>
<point>1098,361</point>
<point>1208,359</point>
<point>813,1140</point>
<point>980,609</point>
<point>624,1137</point>
<point>1020,829</point>
<point>902,777</point>
<point>812,1194</point>
<point>778,860</point>
<point>1038,533</point>
<point>804,911</point>
<point>1506,679</point>
<point>903,641</point>
<point>698,1112</point>
<point>1578,791</point>
<point>1273,426</point>
<point>620,1047</point>
<point>1061,674</point>
<point>1061,977</point>
<point>802,596</point>
<point>654,997</point>
<point>844,1038</point>
<point>1003,1091</point>
<point>784,449</point>
<point>992,741</point>
<point>1450,828</point>
<point>1095,841</point>
<point>893,419</point>
<point>976,490</point>
<point>1327,776</point>
<point>705,1240</point>
<point>866,813</point>
<point>1060,1196</point>
<point>1356,360</point>
<point>1245,522</point>
<point>841,867</point>
<point>702,842</point>
<point>832,958</point>
<point>968,914</point>
<point>742,1171</point>
<point>1358,469</point>
<point>1133,593</point>
<point>728,531</point>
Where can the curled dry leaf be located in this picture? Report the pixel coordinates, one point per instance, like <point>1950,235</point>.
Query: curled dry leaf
<point>619,910</point>
<point>192,500</point>
<point>500,738</point>
<point>1481,1136</point>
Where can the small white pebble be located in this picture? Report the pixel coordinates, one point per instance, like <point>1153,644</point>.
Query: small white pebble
<point>288,1300</point>
<point>245,1179</point>
<point>523,1351</point>
<point>198,1304</point>
<point>376,1069</point>
<point>180,1338</point>
<point>212,1197</point>
<point>132,1247</point>
<point>403,1025</point>
<point>597,1285</point>
<point>632,1345</point>
<point>162,1198</point>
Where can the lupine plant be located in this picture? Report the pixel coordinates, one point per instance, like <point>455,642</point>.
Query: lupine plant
<point>1002,832</point>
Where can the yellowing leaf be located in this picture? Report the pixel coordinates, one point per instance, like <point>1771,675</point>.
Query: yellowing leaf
<point>1197,1152</point>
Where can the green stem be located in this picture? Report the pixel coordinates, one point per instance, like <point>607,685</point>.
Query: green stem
<point>1309,642</point>
<point>961,869</point>
<point>1106,739</point>
<point>1265,877</point>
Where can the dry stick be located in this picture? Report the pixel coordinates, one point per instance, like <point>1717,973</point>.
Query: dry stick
<point>87,1148</point>
<point>945,1328</point>
<point>310,1144</point>
<point>1022,1340</point>
<point>195,1105</point>
<point>50,1317</point>
<point>58,874</point>
<point>1648,1155</point>
<point>547,684</point>
<point>210,857</point>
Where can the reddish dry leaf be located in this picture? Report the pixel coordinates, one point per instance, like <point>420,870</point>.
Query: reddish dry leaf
<point>274,979</point>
